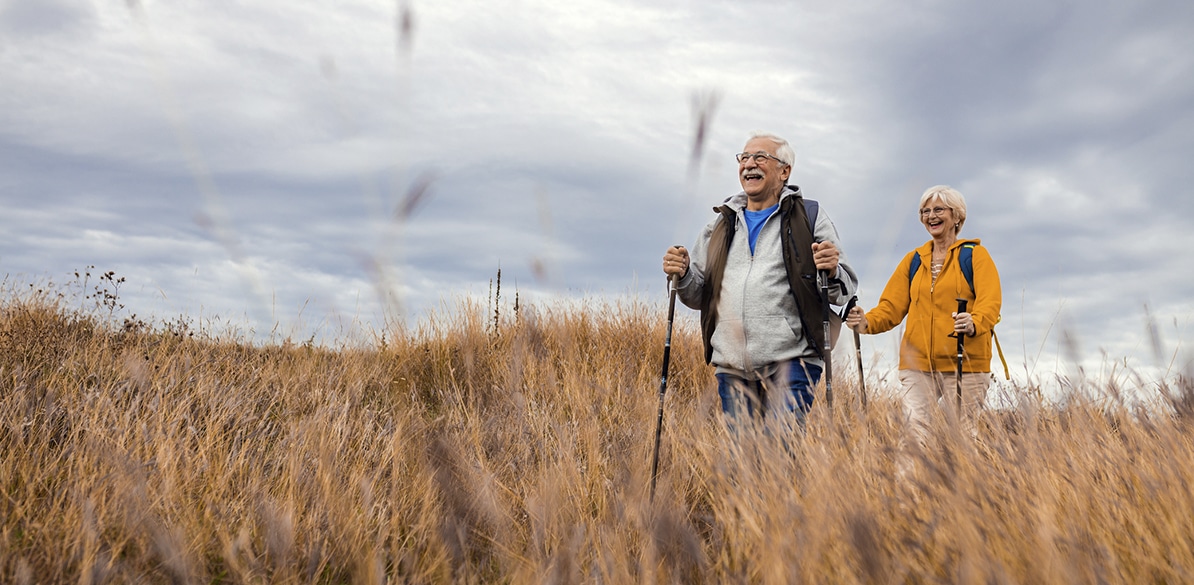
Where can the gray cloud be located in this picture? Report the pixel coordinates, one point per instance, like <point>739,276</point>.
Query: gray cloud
<point>39,18</point>
<point>247,161</point>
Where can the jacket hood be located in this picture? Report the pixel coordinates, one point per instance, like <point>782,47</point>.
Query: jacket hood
<point>738,202</point>
<point>927,247</point>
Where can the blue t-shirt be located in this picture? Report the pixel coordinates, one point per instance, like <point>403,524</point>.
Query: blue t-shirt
<point>754,223</point>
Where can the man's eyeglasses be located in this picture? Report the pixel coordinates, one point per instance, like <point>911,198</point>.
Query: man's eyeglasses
<point>758,157</point>
<point>926,212</point>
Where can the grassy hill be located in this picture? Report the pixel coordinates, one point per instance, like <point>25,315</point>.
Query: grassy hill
<point>515,447</point>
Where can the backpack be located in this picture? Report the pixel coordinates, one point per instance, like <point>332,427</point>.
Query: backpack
<point>966,262</point>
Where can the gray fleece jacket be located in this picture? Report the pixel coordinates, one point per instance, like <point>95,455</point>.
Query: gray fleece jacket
<point>758,322</point>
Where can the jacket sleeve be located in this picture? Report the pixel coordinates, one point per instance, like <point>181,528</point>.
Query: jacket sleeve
<point>689,289</point>
<point>988,301</point>
<point>846,279</point>
<point>895,300</point>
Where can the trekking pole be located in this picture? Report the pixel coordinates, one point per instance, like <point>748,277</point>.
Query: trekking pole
<point>961,354</point>
<point>857,352</point>
<point>823,276</point>
<point>674,283</point>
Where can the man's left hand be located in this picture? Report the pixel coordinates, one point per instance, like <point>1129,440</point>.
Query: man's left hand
<point>825,257</point>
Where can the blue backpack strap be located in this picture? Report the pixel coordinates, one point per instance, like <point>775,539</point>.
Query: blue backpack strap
<point>966,261</point>
<point>913,267</point>
<point>810,209</point>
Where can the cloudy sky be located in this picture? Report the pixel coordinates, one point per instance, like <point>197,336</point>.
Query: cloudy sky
<point>304,168</point>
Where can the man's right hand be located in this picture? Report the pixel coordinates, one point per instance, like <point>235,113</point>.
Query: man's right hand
<point>675,261</point>
<point>856,319</point>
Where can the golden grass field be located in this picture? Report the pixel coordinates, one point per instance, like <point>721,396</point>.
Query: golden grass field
<point>493,446</point>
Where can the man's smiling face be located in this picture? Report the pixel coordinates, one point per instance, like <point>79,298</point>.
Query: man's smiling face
<point>762,180</point>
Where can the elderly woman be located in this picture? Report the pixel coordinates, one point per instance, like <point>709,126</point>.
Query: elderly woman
<point>949,269</point>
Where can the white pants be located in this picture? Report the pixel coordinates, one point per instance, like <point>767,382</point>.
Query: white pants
<point>923,391</point>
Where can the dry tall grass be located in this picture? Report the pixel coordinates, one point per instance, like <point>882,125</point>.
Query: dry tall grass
<point>518,451</point>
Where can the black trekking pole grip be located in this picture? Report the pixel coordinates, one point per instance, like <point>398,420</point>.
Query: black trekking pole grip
<point>826,347</point>
<point>861,374</point>
<point>857,350</point>
<point>961,335</point>
<point>673,284</point>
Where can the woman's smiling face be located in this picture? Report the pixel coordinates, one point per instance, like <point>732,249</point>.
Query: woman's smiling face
<point>937,218</point>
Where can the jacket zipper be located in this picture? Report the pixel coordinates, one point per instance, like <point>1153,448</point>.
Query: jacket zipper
<point>746,365</point>
<point>932,315</point>
<point>933,303</point>
<point>750,267</point>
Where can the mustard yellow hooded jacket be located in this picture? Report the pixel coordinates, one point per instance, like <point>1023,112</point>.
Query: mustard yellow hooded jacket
<point>926,345</point>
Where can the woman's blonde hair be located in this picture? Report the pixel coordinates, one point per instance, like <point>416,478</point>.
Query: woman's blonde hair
<point>949,197</point>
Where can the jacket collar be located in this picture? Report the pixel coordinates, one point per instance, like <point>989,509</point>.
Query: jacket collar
<point>738,202</point>
<point>927,247</point>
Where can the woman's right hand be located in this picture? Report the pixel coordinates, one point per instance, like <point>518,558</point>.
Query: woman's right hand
<point>856,319</point>
<point>675,261</point>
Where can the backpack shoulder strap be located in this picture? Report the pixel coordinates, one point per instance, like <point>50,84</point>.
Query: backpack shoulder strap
<point>966,261</point>
<point>913,267</point>
<point>810,209</point>
<point>797,239</point>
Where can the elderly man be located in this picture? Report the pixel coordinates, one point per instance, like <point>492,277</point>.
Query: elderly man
<point>753,276</point>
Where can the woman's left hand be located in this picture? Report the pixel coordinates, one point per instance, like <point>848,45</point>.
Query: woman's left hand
<point>964,324</point>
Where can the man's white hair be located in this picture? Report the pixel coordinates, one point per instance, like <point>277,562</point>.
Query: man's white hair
<point>783,150</point>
